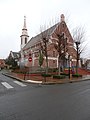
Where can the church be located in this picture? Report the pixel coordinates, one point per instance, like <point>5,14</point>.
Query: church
<point>31,47</point>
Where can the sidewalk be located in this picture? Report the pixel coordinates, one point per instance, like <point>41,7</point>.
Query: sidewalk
<point>48,80</point>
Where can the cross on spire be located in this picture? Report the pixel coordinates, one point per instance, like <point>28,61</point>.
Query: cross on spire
<point>24,27</point>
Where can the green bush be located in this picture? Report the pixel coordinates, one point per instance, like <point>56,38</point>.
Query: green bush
<point>46,75</point>
<point>59,76</point>
<point>55,69</point>
<point>64,74</point>
<point>76,75</point>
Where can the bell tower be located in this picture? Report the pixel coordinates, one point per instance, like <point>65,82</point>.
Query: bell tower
<point>24,36</point>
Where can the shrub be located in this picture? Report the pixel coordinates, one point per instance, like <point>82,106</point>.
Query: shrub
<point>66,74</point>
<point>59,76</point>
<point>46,75</point>
<point>76,75</point>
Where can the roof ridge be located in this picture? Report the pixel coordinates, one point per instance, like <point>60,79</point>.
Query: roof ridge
<point>50,30</point>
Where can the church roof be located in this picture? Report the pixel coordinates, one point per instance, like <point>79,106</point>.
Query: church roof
<point>38,37</point>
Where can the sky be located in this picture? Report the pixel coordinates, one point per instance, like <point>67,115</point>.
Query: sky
<point>39,13</point>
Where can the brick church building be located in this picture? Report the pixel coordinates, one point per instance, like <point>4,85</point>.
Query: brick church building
<point>33,46</point>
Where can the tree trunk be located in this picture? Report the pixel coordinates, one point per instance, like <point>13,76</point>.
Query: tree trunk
<point>46,65</point>
<point>77,67</point>
<point>59,65</point>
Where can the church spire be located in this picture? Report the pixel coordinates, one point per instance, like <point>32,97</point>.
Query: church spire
<point>24,36</point>
<point>24,27</point>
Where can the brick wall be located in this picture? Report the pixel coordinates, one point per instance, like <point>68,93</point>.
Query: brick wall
<point>52,52</point>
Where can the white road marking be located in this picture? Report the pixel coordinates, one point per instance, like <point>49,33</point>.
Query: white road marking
<point>19,83</point>
<point>32,81</point>
<point>6,85</point>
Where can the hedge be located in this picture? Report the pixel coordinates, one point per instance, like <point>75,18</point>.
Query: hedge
<point>59,76</point>
<point>66,74</point>
<point>46,75</point>
<point>76,75</point>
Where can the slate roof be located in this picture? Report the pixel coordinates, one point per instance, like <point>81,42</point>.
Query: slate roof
<point>16,54</point>
<point>38,37</point>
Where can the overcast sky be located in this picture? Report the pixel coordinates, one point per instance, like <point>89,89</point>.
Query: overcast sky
<point>38,13</point>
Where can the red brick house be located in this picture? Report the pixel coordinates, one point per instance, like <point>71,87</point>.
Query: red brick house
<point>2,64</point>
<point>33,45</point>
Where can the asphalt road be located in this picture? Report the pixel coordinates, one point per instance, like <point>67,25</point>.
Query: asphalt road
<point>25,101</point>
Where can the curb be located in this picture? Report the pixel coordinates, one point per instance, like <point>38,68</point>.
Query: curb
<point>72,81</point>
<point>44,83</point>
<point>26,81</point>
<point>6,74</point>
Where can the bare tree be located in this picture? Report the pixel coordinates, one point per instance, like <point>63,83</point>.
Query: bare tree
<point>79,40</point>
<point>44,44</point>
<point>61,49</point>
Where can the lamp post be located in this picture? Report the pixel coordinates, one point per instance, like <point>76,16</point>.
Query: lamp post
<point>70,66</point>
<point>65,52</point>
<point>77,48</point>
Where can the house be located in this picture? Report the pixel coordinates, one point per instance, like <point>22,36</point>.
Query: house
<point>15,56</point>
<point>2,64</point>
<point>33,46</point>
<point>87,64</point>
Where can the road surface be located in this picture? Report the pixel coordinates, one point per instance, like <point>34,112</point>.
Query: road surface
<point>25,101</point>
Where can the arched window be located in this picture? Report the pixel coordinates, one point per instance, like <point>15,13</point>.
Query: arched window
<point>25,40</point>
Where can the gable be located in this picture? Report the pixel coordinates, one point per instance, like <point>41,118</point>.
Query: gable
<point>10,55</point>
<point>62,28</point>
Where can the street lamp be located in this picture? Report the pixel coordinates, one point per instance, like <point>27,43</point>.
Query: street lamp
<point>77,48</point>
<point>70,66</point>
